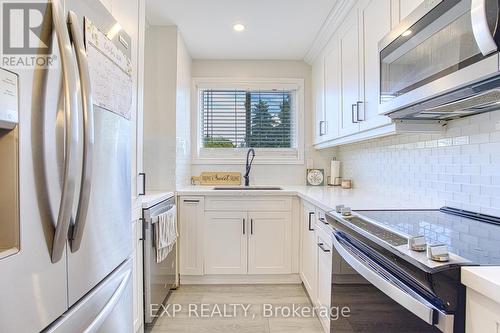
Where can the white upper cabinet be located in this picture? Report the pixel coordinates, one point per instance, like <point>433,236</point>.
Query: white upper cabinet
<point>318,87</point>
<point>374,24</point>
<point>332,90</point>
<point>406,7</point>
<point>347,92</point>
<point>349,74</point>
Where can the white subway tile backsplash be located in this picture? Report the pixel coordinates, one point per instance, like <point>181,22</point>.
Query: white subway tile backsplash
<point>495,137</point>
<point>460,168</point>
<point>492,191</point>
<point>480,138</point>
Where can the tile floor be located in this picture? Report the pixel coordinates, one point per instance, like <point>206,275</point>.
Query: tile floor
<point>202,301</point>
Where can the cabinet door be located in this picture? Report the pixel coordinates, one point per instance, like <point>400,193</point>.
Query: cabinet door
<point>374,24</point>
<point>226,242</point>
<point>308,251</point>
<point>191,216</point>
<point>332,88</point>
<point>318,86</point>
<point>349,65</point>
<point>137,275</point>
<point>324,257</point>
<point>270,243</point>
<point>406,7</point>
<point>482,313</point>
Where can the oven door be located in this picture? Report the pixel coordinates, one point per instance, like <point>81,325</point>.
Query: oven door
<point>442,46</point>
<point>385,304</point>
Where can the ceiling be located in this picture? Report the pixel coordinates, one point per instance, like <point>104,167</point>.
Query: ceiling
<point>275,29</point>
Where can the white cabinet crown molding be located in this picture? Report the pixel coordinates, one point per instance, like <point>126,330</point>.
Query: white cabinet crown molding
<point>330,26</point>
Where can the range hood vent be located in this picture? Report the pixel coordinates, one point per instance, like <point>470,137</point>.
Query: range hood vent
<point>477,98</point>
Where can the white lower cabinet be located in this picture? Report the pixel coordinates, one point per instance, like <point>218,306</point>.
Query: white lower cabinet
<point>324,279</point>
<point>191,220</point>
<point>137,276</point>
<point>270,243</point>
<point>221,235</point>
<point>308,251</point>
<point>247,243</point>
<point>225,242</point>
<point>482,313</point>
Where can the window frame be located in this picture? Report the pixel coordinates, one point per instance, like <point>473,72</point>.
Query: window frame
<point>222,156</point>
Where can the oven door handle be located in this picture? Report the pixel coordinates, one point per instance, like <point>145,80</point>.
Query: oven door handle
<point>391,286</point>
<point>485,39</point>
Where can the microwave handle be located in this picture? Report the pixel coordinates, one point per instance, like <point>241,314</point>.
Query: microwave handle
<point>388,284</point>
<point>484,37</point>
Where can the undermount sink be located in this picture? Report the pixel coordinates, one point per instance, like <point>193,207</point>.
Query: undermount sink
<point>248,188</point>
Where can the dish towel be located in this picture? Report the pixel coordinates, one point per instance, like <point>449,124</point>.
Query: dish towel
<point>165,233</point>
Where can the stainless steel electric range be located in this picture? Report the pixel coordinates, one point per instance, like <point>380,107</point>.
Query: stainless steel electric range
<point>408,264</point>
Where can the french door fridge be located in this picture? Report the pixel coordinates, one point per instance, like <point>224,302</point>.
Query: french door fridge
<point>71,270</point>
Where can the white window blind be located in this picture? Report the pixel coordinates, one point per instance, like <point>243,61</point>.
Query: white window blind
<point>248,118</point>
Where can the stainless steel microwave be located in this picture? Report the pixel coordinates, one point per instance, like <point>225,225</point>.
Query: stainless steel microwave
<point>442,61</point>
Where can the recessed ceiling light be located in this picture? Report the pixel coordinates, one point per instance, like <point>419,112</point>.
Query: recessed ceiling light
<point>238,27</point>
<point>406,33</point>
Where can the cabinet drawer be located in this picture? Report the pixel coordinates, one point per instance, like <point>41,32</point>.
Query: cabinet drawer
<point>259,204</point>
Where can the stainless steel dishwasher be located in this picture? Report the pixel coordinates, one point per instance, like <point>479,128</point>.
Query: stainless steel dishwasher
<point>159,278</point>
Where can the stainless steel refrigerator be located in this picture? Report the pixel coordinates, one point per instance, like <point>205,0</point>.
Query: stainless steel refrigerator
<point>69,269</point>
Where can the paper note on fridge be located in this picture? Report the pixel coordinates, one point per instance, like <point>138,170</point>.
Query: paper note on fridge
<point>110,72</point>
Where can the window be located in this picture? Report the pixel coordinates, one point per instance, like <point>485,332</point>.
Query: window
<point>247,119</point>
<point>264,115</point>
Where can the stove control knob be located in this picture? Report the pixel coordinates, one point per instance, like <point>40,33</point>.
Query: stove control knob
<point>417,243</point>
<point>438,253</point>
<point>338,208</point>
<point>345,211</point>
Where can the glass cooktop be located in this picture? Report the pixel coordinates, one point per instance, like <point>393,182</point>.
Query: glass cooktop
<point>472,236</point>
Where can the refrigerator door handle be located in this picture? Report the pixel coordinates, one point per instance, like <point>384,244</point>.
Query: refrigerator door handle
<point>70,90</point>
<point>88,131</point>
<point>108,308</point>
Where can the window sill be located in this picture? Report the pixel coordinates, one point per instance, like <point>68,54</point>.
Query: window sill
<point>238,156</point>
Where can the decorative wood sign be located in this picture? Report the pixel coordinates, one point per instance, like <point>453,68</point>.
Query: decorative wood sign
<point>218,178</point>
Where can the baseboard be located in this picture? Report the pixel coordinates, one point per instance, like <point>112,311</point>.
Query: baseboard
<point>241,279</point>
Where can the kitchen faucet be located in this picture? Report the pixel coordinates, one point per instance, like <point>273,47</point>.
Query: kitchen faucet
<point>249,166</point>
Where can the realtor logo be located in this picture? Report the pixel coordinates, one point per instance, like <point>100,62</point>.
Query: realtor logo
<point>26,34</point>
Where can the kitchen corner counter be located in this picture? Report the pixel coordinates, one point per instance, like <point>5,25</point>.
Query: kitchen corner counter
<point>485,280</point>
<point>325,198</point>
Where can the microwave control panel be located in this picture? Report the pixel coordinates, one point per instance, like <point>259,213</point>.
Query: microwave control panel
<point>9,99</point>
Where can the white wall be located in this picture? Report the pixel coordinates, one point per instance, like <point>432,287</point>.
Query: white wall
<point>160,84</point>
<point>460,168</point>
<point>166,109</point>
<point>266,174</point>
<point>183,115</point>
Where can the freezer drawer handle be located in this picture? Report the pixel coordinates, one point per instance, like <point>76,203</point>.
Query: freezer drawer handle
<point>88,132</point>
<point>108,308</point>
<point>70,89</point>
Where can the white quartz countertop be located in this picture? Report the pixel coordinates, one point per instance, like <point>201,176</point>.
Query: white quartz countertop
<point>152,198</point>
<point>323,197</point>
<point>485,280</point>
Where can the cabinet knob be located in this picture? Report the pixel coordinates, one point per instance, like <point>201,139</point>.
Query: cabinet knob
<point>438,252</point>
<point>417,243</point>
